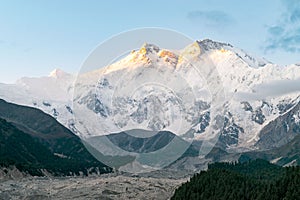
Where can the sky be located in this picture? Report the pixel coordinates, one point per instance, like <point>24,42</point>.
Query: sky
<point>39,36</point>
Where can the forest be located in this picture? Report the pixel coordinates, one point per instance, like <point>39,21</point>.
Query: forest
<point>256,179</point>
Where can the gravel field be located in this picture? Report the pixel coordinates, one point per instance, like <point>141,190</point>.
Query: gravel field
<point>95,187</point>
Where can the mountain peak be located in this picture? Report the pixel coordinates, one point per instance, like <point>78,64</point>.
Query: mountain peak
<point>208,44</point>
<point>57,73</point>
<point>145,54</point>
<point>193,49</point>
<point>149,48</point>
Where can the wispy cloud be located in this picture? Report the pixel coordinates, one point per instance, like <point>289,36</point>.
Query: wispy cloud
<point>272,89</point>
<point>214,18</point>
<point>285,34</point>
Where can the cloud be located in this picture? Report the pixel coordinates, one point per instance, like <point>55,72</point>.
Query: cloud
<point>214,18</point>
<point>285,34</point>
<point>276,30</point>
<point>272,89</point>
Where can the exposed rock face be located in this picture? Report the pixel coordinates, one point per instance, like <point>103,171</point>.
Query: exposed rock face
<point>281,130</point>
<point>230,132</point>
<point>11,172</point>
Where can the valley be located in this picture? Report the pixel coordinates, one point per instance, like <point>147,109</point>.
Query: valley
<point>107,187</point>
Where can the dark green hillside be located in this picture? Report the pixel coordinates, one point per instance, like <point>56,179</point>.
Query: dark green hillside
<point>250,180</point>
<point>33,140</point>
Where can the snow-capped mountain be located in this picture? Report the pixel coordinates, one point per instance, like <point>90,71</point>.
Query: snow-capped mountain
<point>183,91</point>
<point>52,94</point>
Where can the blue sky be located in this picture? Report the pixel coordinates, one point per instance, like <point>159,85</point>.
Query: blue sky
<point>38,36</point>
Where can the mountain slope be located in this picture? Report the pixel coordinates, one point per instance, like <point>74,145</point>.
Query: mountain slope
<point>285,155</point>
<point>278,142</point>
<point>255,98</point>
<point>281,130</point>
<point>33,141</point>
<point>252,180</point>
